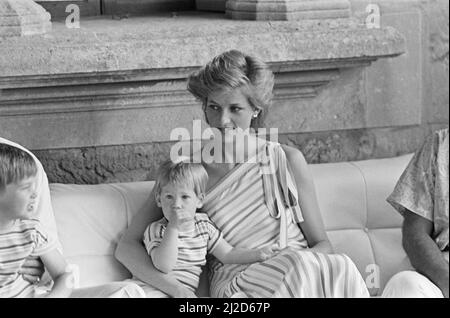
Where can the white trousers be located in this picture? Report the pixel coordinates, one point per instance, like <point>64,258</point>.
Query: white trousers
<point>147,290</point>
<point>111,290</point>
<point>410,284</point>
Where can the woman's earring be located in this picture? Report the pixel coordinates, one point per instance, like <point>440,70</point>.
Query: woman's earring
<point>255,115</point>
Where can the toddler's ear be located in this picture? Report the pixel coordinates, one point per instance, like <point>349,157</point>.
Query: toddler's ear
<point>200,197</point>
<point>158,200</point>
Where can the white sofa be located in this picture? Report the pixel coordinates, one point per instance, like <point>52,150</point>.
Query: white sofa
<point>352,198</point>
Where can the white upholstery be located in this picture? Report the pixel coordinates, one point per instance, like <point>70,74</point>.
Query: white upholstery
<point>359,221</point>
<point>352,199</point>
<point>90,220</point>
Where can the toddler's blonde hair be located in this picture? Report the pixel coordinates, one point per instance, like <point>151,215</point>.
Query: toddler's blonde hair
<point>192,175</point>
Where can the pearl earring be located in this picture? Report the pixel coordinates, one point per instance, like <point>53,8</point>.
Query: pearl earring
<point>255,115</point>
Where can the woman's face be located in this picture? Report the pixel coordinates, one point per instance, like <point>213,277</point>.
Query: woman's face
<point>229,109</point>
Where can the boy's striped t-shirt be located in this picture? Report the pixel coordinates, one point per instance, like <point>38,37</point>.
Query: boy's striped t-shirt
<point>193,247</point>
<point>26,238</point>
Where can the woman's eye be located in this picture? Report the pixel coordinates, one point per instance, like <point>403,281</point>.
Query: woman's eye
<point>236,109</point>
<point>214,107</point>
<point>185,197</point>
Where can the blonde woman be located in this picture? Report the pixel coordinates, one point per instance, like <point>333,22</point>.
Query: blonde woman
<point>266,199</point>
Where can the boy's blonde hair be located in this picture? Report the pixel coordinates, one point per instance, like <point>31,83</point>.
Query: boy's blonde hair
<point>192,175</point>
<point>15,165</point>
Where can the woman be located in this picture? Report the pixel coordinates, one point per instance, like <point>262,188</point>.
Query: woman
<point>270,200</point>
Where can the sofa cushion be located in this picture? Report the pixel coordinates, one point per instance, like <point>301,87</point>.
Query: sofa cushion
<point>359,221</point>
<point>90,220</point>
<point>352,199</point>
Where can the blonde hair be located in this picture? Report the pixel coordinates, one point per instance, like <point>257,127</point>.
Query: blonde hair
<point>234,69</point>
<point>192,175</point>
<point>15,165</point>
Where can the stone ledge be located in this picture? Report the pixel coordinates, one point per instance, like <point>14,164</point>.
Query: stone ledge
<point>22,18</point>
<point>287,9</point>
<point>189,40</point>
<point>124,82</point>
<point>37,95</point>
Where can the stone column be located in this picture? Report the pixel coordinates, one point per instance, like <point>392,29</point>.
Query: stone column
<point>23,17</point>
<point>287,9</point>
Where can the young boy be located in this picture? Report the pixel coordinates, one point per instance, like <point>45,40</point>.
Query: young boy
<point>179,242</point>
<point>20,235</point>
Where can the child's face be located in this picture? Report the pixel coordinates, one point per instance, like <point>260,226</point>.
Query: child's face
<point>178,200</point>
<point>18,200</point>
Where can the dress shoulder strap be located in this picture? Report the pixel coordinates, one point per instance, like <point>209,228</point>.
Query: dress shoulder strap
<point>280,190</point>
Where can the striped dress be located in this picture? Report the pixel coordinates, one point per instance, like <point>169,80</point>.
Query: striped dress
<point>255,205</point>
<point>26,238</point>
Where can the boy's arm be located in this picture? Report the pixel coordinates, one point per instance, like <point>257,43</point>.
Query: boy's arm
<point>165,255</point>
<point>132,254</point>
<point>423,252</point>
<point>63,280</point>
<point>228,254</point>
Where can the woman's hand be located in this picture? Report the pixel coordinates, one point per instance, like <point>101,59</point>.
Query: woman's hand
<point>32,270</point>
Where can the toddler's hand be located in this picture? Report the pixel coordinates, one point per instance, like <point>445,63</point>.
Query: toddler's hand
<point>178,219</point>
<point>268,251</point>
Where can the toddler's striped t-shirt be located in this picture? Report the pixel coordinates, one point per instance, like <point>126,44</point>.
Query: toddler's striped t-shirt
<point>193,246</point>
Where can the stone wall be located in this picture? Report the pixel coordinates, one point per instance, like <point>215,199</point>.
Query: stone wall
<point>92,165</point>
<point>422,80</point>
<point>383,110</point>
